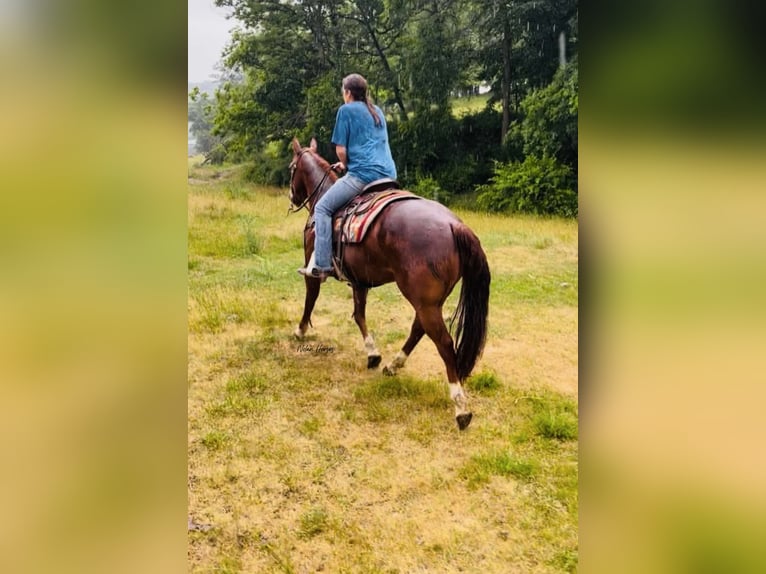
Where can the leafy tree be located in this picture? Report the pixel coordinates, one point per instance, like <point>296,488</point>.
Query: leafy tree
<point>519,51</point>
<point>201,115</point>
<point>549,127</point>
<point>546,181</point>
<point>285,64</point>
<point>265,103</point>
<point>380,28</point>
<point>433,61</point>
<point>284,50</point>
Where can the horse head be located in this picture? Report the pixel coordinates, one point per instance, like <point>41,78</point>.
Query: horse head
<point>309,172</point>
<point>298,187</point>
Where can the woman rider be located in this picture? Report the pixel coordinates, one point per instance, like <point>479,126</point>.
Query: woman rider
<point>361,144</point>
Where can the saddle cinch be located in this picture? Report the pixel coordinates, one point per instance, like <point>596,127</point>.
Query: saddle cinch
<point>352,221</point>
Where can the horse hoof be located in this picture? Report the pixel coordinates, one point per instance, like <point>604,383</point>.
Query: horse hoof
<point>388,371</point>
<point>373,361</point>
<point>298,334</point>
<point>463,420</point>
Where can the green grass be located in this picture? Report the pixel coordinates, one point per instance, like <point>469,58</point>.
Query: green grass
<point>555,417</point>
<point>556,425</point>
<point>306,462</point>
<point>313,522</point>
<point>400,398</point>
<point>484,383</point>
<point>215,440</point>
<point>480,468</point>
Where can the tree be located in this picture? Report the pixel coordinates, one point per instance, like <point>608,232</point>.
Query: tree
<point>546,181</point>
<point>549,127</point>
<point>520,49</point>
<point>201,115</point>
<point>380,28</point>
<point>433,62</point>
<point>286,62</point>
<point>279,58</point>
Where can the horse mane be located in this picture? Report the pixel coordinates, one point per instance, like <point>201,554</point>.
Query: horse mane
<point>323,163</point>
<point>320,168</point>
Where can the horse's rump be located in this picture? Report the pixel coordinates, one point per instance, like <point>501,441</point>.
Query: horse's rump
<point>410,236</point>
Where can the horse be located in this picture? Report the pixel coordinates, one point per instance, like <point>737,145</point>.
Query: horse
<point>423,247</point>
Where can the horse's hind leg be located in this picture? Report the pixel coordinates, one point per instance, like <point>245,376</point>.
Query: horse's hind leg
<point>433,324</point>
<point>416,333</point>
<point>360,307</point>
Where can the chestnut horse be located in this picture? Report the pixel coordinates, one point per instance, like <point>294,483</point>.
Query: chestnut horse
<point>425,249</point>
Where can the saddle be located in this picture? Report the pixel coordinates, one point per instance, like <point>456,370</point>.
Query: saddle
<point>352,221</point>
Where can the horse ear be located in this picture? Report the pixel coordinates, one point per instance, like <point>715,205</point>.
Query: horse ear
<point>296,146</point>
<point>313,144</point>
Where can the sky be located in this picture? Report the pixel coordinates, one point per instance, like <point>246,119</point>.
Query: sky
<point>208,34</point>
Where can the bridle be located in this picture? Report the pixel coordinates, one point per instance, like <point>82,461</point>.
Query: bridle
<point>293,168</point>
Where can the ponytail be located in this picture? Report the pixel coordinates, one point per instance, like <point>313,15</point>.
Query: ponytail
<point>373,112</point>
<point>357,85</point>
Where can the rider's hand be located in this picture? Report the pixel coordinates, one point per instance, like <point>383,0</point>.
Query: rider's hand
<point>339,166</point>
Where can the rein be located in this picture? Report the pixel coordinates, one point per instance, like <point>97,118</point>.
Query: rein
<point>304,203</point>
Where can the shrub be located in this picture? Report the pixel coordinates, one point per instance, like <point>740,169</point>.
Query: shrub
<point>217,155</point>
<point>549,126</point>
<point>269,166</point>
<point>457,153</point>
<point>429,188</point>
<point>540,186</point>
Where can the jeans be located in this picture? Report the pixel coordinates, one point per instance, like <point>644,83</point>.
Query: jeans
<point>341,192</point>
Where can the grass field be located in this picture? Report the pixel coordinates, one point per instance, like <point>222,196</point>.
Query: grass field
<point>302,460</point>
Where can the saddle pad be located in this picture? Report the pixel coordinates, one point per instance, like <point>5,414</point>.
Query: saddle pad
<point>355,219</point>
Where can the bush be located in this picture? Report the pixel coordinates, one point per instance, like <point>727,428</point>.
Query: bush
<point>424,143</point>
<point>217,155</point>
<point>540,186</point>
<point>269,167</point>
<point>457,153</point>
<point>429,188</point>
<point>321,108</point>
<point>549,126</point>
<point>461,176</point>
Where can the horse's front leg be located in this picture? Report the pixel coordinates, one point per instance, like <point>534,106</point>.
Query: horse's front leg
<point>312,292</point>
<point>312,288</point>
<point>360,306</point>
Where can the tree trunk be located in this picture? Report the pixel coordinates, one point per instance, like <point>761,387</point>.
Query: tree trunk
<point>506,81</point>
<point>389,74</point>
<point>339,64</point>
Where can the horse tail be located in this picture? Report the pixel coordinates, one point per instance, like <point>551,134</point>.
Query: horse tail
<point>470,316</point>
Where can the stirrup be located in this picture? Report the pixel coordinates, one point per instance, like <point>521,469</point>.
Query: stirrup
<point>317,273</point>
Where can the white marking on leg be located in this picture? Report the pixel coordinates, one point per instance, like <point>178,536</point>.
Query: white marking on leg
<point>299,333</point>
<point>399,360</point>
<point>396,364</point>
<point>312,262</point>
<point>457,394</point>
<point>369,346</point>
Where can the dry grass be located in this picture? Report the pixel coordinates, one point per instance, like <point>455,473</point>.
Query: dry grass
<point>305,461</point>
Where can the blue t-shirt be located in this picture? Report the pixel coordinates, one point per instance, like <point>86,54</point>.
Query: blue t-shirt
<point>369,157</point>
